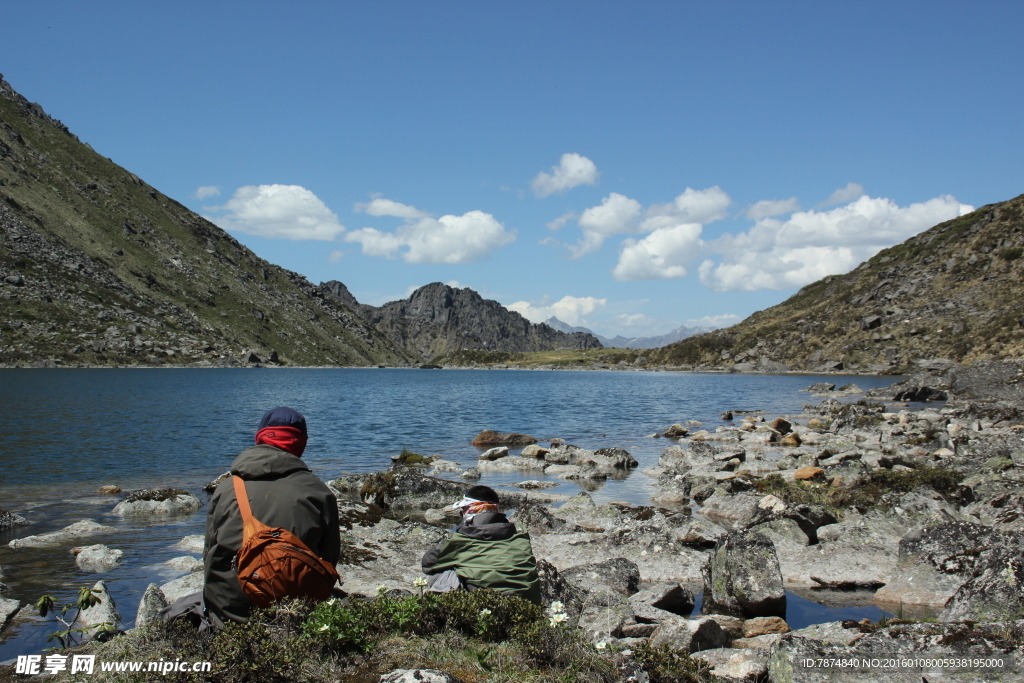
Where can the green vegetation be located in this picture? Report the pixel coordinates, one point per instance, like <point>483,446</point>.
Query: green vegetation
<point>863,493</point>
<point>1011,254</point>
<point>479,637</point>
<point>407,457</point>
<point>70,635</point>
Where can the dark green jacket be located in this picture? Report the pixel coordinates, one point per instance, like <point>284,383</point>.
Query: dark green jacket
<point>282,493</point>
<point>489,552</point>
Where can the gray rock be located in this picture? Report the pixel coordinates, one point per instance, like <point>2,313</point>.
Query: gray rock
<point>418,676</point>
<point>98,558</point>
<point>606,582</point>
<point>190,583</point>
<point>600,622</point>
<point>534,484</point>
<point>731,664</point>
<point>441,466</point>
<point>651,604</point>
<point>9,520</point>
<point>212,486</point>
<point>471,474</point>
<point>8,608</point>
<point>157,502</point>
<point>728,509</point>
<point>743,578</point>
<point>101,617</point>
<point>191,544</point>
<point>185,563</point>
<point>81,529</point>
<point>152,602</point>
<point>494,453</point>
<point>994,592</point>
<point>689,635</point>
<point>511,464</point>
<point>555,588</point>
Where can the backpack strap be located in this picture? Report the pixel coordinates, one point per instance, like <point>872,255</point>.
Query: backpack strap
<point>242,497</point>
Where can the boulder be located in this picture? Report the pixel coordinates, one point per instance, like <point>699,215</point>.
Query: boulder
<point>554,588</point>
<point>511,464</point>
<point>727,509</point>
<point>781,425</point>
<point>85,527</point>
<point>418,676</point>
<point>690,635</point>
<point>8,608</point>
<point>158,502</point>
<point>760,626</point>
<point>730,664</point>
<point>809,474</point>
<point>494,453</point>
<point>534,451</point>
<point>742,577</point>
<point>9,520</point>
<point>607,582</point>
<point>491,438</point>
<point>152,602</point>
<point>676,431</point>
<point>101,617</point>
<point>191,544</point>
<point>536,484</point>
<point>653,603</point>
<point>442,466</point>
<point>190,583</point>
<point>994,592</point>
<point>98,558</point>
<point>185,563</point>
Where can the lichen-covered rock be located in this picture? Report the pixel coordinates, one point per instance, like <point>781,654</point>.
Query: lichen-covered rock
<point>98,558</point>
<point>158,502</point>
<point>81,529</point>
<point>101,617</point>
<point>152,602</point>
<point>652,603</point>
<point>732,664</point>
<point>690,635</point>
<point>9,520</point>
<point>190,583</point>
<point>996,590</point>
<point>606,582</point>
<point>743,578</point>
<point>418,676</point>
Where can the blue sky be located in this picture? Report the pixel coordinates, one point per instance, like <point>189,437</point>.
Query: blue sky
<point>629,167</point>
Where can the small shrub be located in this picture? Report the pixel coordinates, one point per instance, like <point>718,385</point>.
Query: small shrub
<point>1011,254</point>
<point>665,665</point>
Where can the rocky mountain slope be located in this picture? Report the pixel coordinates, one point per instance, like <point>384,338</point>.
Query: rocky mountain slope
<point>620,342</point>
<point>953,292</point>
<point>437,320</point>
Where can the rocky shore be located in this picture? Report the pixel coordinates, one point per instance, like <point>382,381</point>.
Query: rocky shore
<point>919,511</point>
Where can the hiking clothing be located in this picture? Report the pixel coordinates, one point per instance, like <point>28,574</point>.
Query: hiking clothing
<point>488,551</point>
<point>282,493</point>
<point>284,428</point>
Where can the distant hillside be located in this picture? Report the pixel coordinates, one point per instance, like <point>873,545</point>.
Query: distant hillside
<point>98,267</point>
<point>620,342</point>
<point>953,291</point>
<point>437,320</point>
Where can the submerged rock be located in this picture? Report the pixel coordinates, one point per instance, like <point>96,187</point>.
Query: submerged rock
<point>85,527</point>
<point>492,438</point>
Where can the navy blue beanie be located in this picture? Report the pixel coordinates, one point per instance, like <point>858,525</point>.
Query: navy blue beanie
<point>283,417</point>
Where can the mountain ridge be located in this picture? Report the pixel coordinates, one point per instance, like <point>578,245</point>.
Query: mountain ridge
<point>621,342</point>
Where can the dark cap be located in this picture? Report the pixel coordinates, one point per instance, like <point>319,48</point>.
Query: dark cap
<point>482,493</point>
<point>283,417</point>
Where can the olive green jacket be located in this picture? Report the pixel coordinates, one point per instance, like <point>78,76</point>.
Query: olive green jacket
<point>489,552</point>
<point>282,493</point>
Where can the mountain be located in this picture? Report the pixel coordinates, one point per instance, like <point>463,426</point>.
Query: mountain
<point>98,267</point>
<point>620,342</point>
<point>437,320</point>
<point>953,292</point>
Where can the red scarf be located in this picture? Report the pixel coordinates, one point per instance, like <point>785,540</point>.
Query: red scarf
<point>286,438</point>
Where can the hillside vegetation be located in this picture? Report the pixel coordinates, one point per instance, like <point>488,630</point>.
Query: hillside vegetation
<point>953,291</point>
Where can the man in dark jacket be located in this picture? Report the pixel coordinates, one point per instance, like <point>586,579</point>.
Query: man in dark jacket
<point>282,493</point>
<point>485,551</point>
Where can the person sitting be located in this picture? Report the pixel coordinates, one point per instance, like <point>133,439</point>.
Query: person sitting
<point>283,493</point>
<point>486,550</point>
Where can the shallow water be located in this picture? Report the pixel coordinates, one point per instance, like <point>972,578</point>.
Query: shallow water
<point>68,431</point>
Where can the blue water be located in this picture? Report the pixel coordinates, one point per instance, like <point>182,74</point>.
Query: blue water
<point>68,431</point>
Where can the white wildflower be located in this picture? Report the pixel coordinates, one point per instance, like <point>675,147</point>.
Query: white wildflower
<point>381,590</point>
<point>558,618</point>
<point>420,582</point>
<point>485,612</point>
<point>557,606</point>
<point>601,646</point>
<point>323,628</point>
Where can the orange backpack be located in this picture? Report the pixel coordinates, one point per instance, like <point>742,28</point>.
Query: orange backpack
<point>274,564</point>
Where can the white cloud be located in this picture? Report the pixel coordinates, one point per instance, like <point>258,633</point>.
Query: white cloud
<point>766,208</point>
<point>663,254</point>
<point>572,170</point>
<point>380,206</point>
<point>206,191</point>
<point>335,256</point>
<point>455,284</point>
<point>568,309</point>
<point>844,195</point>
<point>616,214</point>
<point>777,254</point>
<point>692,206</point>
<point>714,321</point>
<point>448,239</point>
<point>560,222</point>
<point>278,211</point>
